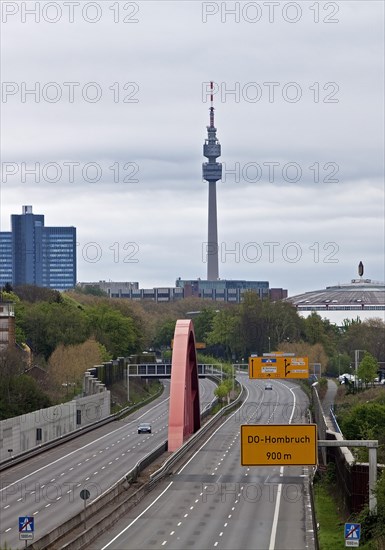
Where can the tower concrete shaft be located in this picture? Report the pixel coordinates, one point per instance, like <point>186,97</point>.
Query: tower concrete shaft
<point>212,172</point>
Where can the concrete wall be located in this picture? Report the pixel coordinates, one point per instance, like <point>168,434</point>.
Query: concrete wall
<point>24,432</point>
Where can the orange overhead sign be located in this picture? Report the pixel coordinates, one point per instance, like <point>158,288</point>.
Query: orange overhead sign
<point>279,445</point>
<point>278,367</point>
<point>198,345</point>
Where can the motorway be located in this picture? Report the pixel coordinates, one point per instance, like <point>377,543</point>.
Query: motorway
<point>47,486</point>
<point>214,502</point>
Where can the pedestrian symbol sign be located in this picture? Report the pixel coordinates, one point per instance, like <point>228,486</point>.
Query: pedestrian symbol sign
<point>352,534</point>
<point>26,527</point>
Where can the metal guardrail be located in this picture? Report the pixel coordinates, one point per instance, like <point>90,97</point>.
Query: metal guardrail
<point>177,455</point>
<point>8,462</point>
<point>334,420</point>
<point>51,539</point>
<point>24,455</point>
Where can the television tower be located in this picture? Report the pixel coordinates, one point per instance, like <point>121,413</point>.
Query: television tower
<point>212,172</point>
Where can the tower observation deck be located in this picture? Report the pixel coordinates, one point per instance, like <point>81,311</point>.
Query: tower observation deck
<point>212,172</point>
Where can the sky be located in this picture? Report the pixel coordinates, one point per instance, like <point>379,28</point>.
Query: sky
<point>104,110</point>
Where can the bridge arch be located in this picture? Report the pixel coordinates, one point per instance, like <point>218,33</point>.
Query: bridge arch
<point>184,412</point>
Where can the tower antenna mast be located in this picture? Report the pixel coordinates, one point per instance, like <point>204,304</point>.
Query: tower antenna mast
<point>212,172</point>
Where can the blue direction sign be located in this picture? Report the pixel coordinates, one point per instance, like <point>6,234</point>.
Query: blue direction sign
<point>26,527</point>
<point>352,534</point>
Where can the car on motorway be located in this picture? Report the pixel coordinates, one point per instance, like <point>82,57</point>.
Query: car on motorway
<point>144,428</point>
<point>268,386</point>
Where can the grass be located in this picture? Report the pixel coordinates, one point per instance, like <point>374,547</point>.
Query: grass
<point>331,531</point>
<point>331,526</point>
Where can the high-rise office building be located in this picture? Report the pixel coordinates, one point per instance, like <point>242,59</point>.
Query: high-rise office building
<point>42,256</point>
<point>5,258</point>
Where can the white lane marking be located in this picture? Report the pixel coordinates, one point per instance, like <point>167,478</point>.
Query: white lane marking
<point>181,470</point>
<point>137,517</point>
<point>279,491</point>
<point>81,448</point>
<point>9,528</point>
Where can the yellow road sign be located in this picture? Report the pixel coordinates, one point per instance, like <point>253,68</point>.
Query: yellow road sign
<point>279,445</point>
<point>278,367</point>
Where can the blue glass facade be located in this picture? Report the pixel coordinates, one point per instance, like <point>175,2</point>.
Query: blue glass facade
<point>5,258</point>
<point>42,256</point>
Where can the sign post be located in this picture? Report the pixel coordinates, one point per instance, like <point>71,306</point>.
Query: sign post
<point>85,494</point>
<point>26,528</point>
<point>279,445</point>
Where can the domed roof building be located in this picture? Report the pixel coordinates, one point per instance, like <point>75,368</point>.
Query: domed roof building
<point>362,298</point>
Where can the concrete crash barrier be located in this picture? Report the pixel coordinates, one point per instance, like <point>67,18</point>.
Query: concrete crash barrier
<point>117,501</point>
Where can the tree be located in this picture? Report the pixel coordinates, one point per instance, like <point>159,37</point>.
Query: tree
<point>32,293</point>
<point>68,364</point>
<point>365,421</point>
<point>223,390</point>
<point>251,323</point>
<point>280,322</point>
<point>94,290</point>
<point>368,368</point>
<point>46,325</point>
<point>224,330</point>
<point>112,329</point>
<point>164,334</point>
<point>315,353</point>
<point>12,363</point>
<point>19,393</point>
<point>203,324</point>
<point>7,287</point>
<point>368,335</point>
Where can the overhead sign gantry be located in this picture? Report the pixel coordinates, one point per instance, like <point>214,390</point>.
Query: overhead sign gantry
<point>278,365</point>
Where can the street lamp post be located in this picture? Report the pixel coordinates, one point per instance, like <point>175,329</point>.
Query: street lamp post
<point>128,383</point>
<point>269,343</point>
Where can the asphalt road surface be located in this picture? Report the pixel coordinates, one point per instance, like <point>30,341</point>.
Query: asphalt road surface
<point>214,502</point>
<point>47,487</point>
